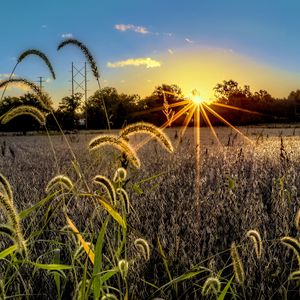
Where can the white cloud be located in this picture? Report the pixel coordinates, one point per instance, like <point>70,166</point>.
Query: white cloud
<point>67,35</point>
<point>171,51</point>
<point>136,62</point>
<point>44,26</point>
<point>130,27</point>
<point>189,41</point>
<point>7,75</point>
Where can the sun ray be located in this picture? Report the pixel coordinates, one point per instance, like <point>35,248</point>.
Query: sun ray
<point>240,109</point>
<point>206,119</point>
<point>226,122</point>
<point>197,154</point>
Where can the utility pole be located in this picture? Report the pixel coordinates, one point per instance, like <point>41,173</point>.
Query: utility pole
<point>41,81</point>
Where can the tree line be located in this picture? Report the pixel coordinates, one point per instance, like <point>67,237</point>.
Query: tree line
<point>238,105</point>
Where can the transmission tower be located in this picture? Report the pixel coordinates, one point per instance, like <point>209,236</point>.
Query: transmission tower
<point>79,83</point>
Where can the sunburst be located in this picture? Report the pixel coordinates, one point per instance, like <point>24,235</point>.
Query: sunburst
<point>196,107</point>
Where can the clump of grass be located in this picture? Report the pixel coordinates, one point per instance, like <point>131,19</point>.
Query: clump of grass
<point>60,181</point>
<point>40,54</point>
<point>153,131</point>
<point>256,238</point>
<point>237,264</point>
<point>143,247</point>
<point>118,143</point>
<point>293,244</point>
<point>24,110</point>
<point>211,285</point>
<point>108,187</point>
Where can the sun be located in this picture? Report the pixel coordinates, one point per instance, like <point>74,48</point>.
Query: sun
<point>196,98</point>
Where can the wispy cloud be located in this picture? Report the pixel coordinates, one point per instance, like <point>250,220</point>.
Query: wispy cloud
<point>67,35</point>
<point>171,51</point>
<point>6,75</point>
<point>131,27</point>
<point>136,62</point>
<point>189,41</point>
<point>44,26</point>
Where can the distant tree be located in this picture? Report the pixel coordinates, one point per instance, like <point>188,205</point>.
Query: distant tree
<point>68,110</point>
<point>121,108</point>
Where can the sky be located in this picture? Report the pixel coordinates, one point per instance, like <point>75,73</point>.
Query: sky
<point>140,44</point>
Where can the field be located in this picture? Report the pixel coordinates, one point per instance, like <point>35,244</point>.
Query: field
<point>243,186</point>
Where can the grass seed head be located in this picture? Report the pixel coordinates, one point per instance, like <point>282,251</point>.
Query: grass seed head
<point>237,264</point>
<point>6,187</point>
<point>123,268</point>
<point>256,238</point>
<point>211,285</point>
<point>24,110</point>
<point>40,54</point>
<point>123,194</point>
<point>293,244</point>
<point>109,297</point>
<point>61,181</point>
<point>107,185</point>
<point>120,175</point>
<point>297,220</point>
<point>118,143</point>
<point>143,247</point>
<point>153,131</point>
<point>89,57</point>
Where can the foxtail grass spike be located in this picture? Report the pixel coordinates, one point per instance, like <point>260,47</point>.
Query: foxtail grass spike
<point>118,143</point>
<point>120,175</point>
<point>39,54</point>
<point>24,110</point>
<point>212,285</point>
<point>14,220</point>
<point>292,244</point>
<point>256,238</point>
<point>123,268</point>
<point>22,81</point>
<point>143,247</point>
<point>153,131</point>
<point>297,220</point>
<point>89,57</point>
<point>295,275</point>
<point>61,181</point>
<point>237,264</point>
<point>125,198</point>
<point>6,187</point>
<point>107,185</point>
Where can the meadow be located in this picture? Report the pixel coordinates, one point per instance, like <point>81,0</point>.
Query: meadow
<point>186,249</point>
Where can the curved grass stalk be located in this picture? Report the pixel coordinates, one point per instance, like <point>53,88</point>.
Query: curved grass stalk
<point>62,180</point>
<point>211,285</point>
<point>92,64</point>
<point>297,220</point>
<point>24,110</point>
<point>118,143</point>
<point>292,244</point>
<point>123,268</point>
<point>109,297</point>
<point>237,264</point>
<point>107,185</point>
<point>40,54</point>
<point>295,275</point>
<point>153,131</point>
<point>256,238</point>
<point>143,247</point>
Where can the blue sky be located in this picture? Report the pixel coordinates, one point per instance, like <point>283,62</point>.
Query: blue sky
<point>256,37</point>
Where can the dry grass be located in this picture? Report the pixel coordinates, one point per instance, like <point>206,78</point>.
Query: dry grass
<point>242,188</point>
